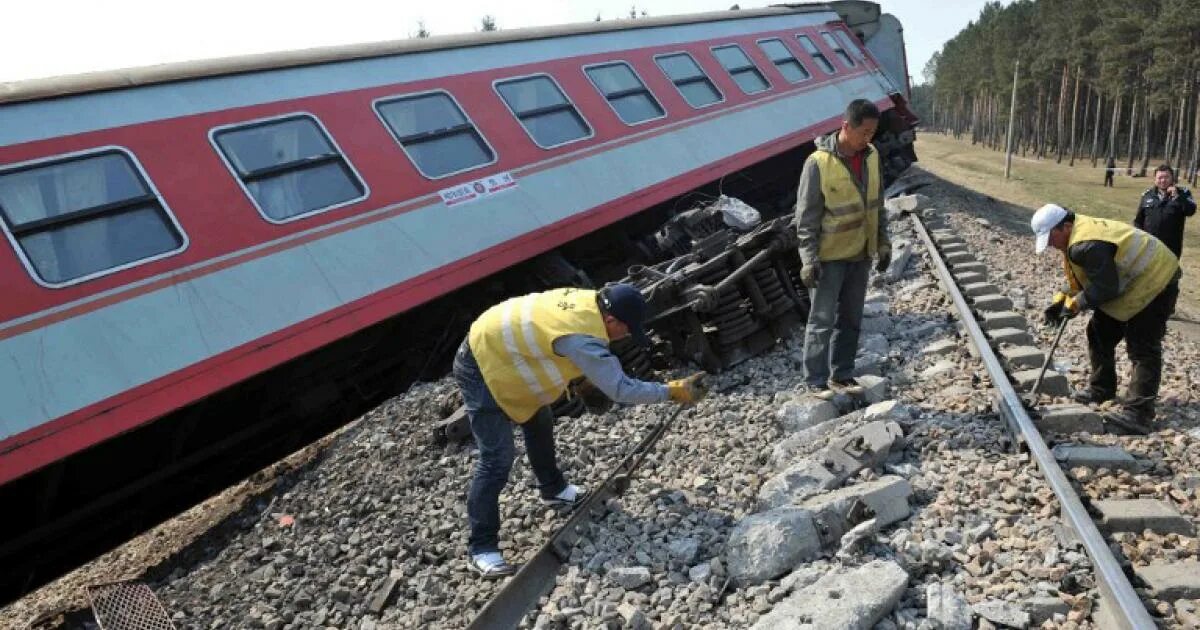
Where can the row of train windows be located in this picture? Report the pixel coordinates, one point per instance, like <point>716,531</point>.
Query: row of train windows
<point>84,215</point>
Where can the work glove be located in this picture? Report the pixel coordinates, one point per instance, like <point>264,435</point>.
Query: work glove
<point>885,258</point>
<point>690,390</point>
<point>810,274</point>
<point>1057,311</point>
<point>1071,307</point>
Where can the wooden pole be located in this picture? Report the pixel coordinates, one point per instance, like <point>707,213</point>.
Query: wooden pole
<point>1012,117</point>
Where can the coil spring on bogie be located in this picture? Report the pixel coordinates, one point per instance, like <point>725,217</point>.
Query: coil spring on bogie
<point>772,290</point>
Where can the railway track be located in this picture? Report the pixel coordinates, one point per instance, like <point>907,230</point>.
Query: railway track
<point>959,273</point>
<point>1122,602</point>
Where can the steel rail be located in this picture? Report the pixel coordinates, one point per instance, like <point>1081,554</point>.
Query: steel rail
<point>1113,583</point>
<point>536,577</point>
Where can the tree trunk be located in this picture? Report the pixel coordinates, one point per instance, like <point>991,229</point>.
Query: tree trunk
<point>1096,126</point>
<point>1112,131</point>
<point>1146,119</point>
<point>1167,141</point>
<point>1195,136</point>
<point>1060,136</point>
<point>1133,111</point>
<point>1075,115</point>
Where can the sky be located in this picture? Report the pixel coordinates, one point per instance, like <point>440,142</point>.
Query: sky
<point>56,37</point>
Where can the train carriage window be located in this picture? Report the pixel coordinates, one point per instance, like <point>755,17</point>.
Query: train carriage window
<point>837,49</point>
<point>739,66</point>
<point>816,53</point>
<point>850,45</point>
<point>790,67</point>
<point>547,114</point>
<point>624,90</point>
<point>435,133</point>
<point>695,86</point>
<point>289,166</point>
<point>77,217</point>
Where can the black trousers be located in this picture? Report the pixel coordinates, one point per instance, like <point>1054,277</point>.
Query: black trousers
<point>1108,178</point>
<point>1143,335</point>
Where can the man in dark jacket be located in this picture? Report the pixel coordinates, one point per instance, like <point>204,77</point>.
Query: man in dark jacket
<point>1109,168</point>
<point>1164,208</point>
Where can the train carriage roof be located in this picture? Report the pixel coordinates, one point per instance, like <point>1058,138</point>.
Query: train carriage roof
<point>853,11</point>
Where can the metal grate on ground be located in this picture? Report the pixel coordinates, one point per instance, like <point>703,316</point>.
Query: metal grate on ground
<point>127,606</point>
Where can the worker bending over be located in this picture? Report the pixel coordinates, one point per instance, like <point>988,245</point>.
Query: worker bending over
<point>1131,280</point>
<point>517,359</point>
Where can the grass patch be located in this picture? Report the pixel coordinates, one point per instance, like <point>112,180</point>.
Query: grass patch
<point>1036,182</point>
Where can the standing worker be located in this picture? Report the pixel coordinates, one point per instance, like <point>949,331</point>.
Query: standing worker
<point>1131,280</point>
<point>1164,208</point>
<point>840,228</point>
<point>1109,168</point>
<point>517,359</point>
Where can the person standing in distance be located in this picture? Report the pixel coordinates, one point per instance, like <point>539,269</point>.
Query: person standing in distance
<point>517,359</point>
<point>1110,167</point>
<point>1164,208</point>
<point>840,228</point>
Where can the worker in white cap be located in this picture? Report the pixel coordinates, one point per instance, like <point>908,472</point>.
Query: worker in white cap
<point>1130,280</point>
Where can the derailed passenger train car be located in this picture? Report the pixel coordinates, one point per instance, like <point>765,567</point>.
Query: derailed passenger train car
<point>208,260</point>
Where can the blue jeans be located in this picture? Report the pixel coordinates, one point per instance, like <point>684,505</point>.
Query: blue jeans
<point>836,315</point>
<point>493,431</point>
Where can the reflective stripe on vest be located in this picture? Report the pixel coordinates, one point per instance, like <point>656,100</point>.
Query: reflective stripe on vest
<point>1145,266</point>
<point>851,221</point>
<point>513,342</point>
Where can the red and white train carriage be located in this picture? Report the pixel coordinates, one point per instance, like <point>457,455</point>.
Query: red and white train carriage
<point>175,232</point>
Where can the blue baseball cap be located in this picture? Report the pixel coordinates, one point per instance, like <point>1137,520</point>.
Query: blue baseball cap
<point>626,303</point>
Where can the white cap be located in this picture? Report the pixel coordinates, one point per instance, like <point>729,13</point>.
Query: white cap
<point>1043,221</point>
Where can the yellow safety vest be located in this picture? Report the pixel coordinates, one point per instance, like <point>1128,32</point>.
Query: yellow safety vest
<point>513,344</point>
<point>1145,266</point>
<point>851,220</point>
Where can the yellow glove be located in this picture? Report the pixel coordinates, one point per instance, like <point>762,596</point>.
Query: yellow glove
<point>1071,306</point>
<point>1059,298</point>
<point>687,391</point>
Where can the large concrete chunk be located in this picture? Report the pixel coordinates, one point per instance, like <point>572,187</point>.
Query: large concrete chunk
<point>1002,613</point>
<point>887,498</point>
<point>849,599</point>
<point>798,482</point>
<point>1073,456</point>
<point>1169,582</point>
<point>1135,515</point>
<point>992,303</point>
<point>908,203</point>
<point>1053,383</point>
<point>1068,418</point>
<point>804,412</point>
<point>874,388</point>
<point>947,607</point>
<point>1002,319</point>
<point>765,546</point>
<point>1022,357</point>
<point>1012,336</point>
<point>865,447</point>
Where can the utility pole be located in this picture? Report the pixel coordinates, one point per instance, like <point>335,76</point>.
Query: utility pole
<point>1012,118</point>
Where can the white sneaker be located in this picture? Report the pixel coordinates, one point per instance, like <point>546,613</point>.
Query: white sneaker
<point>490,565</point>
<point>570,495</point>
